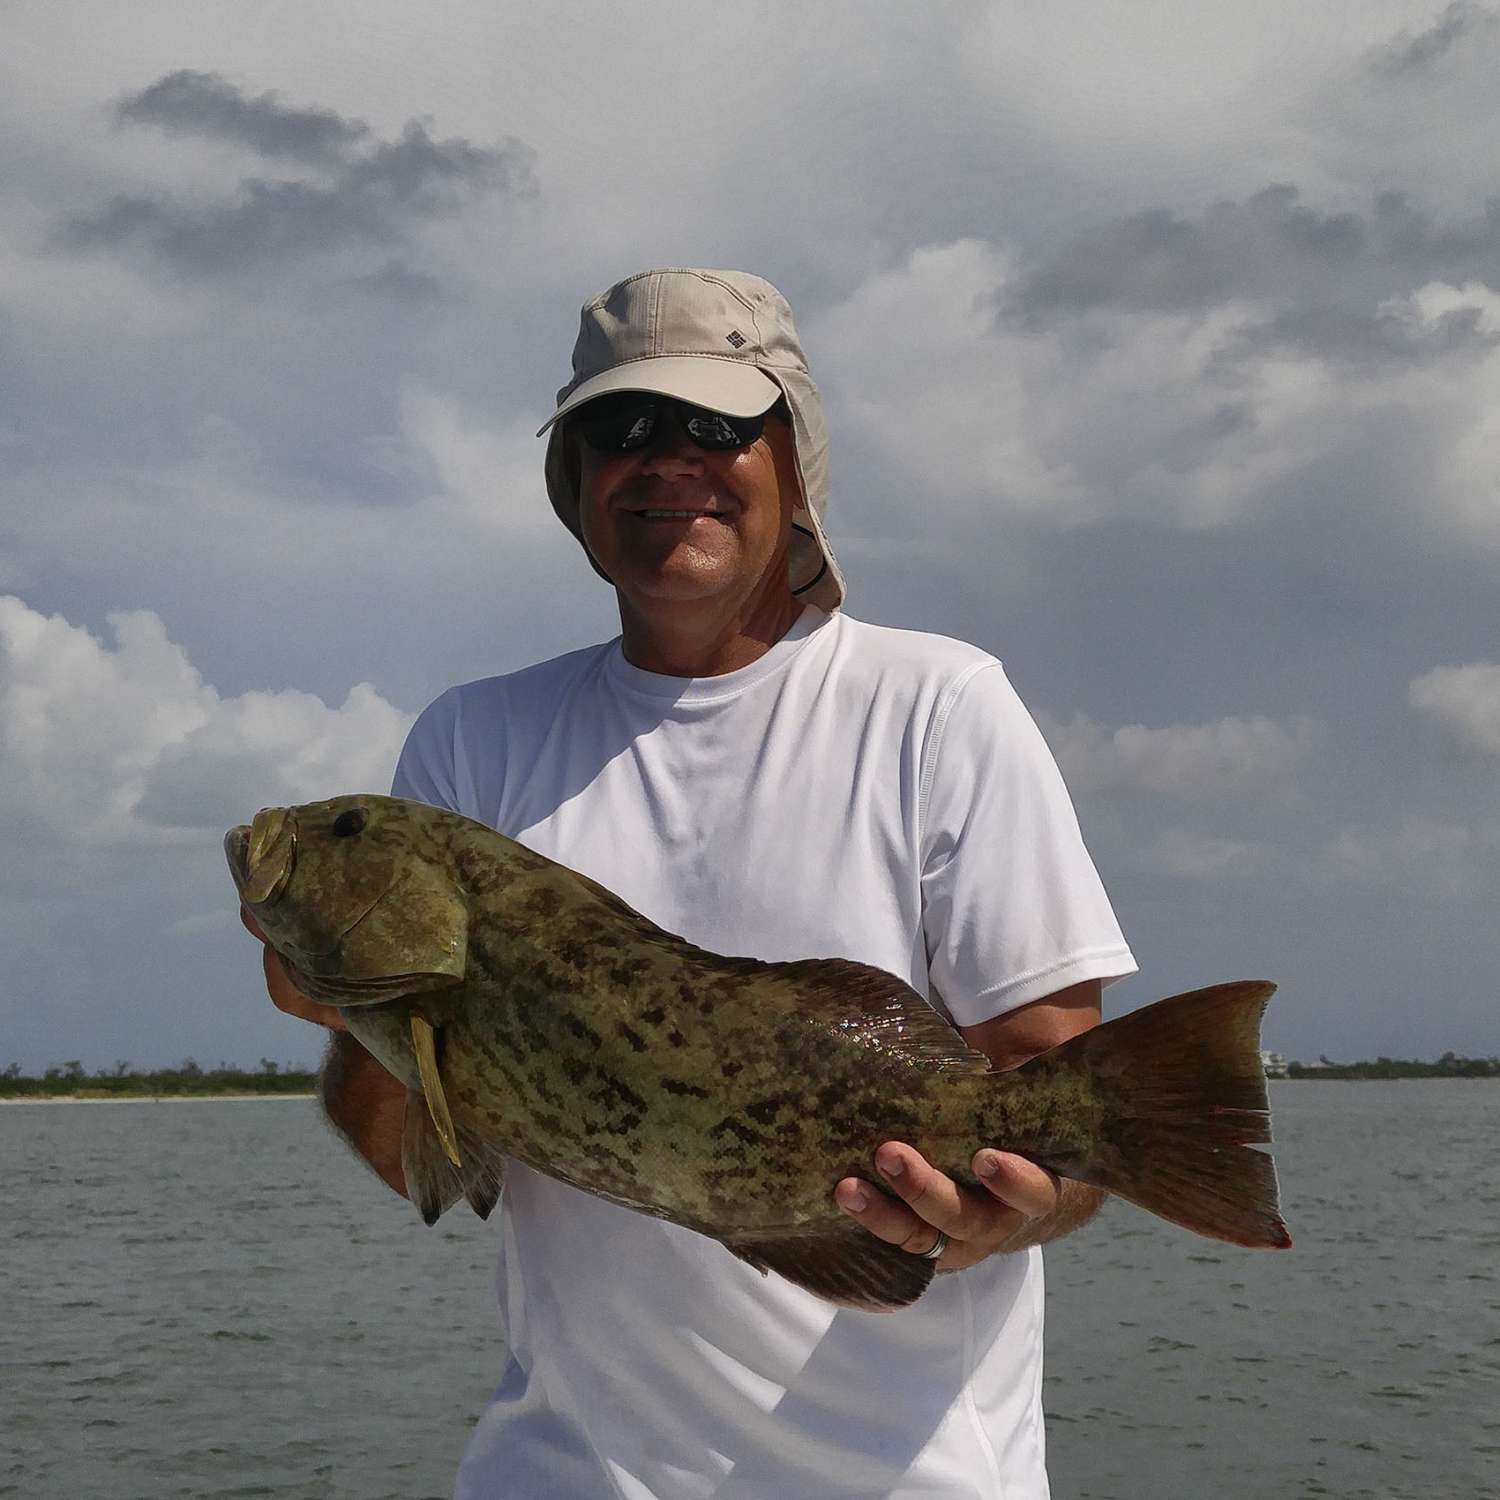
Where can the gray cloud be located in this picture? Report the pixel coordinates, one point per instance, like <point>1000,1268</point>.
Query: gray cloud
<point>1407,53</point>
<point>309,454</point>
<point>207,105</point>
<point>358,195</point>
<point>1465,699</point>
<point>398,282</point>
<point>1361,338</point>
<point>1271,247</point>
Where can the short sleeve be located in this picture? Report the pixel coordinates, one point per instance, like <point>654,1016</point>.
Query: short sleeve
<point>1013,908</point>
<point>426,770</point>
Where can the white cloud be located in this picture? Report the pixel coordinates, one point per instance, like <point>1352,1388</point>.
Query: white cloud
<point>1437,300</point>
<point>1182,417</point>
<point>960,407</point>
<point>935,397</point>
<point>330,478</point>
<point>481,468</point>
<point>120,769</point>
<point>1191,855</point>
<point>1215,756</point>
<point>1436,854</point>
<point>119,744</point>
<point>1466,700</point>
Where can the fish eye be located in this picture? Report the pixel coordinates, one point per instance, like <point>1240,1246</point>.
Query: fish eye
<point>349,822</point>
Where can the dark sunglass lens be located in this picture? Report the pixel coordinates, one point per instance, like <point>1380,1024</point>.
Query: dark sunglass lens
<point>615,425</point>
<point>712,429</point>
<point>619,424</point>
<point>638,434</point>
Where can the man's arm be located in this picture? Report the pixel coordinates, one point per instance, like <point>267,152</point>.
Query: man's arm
<point>366,1106</point>
<point>361,1100</point>
<point>1022,1204</point>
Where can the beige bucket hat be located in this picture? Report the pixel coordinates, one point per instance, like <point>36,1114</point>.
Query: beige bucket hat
<point>722,340</point>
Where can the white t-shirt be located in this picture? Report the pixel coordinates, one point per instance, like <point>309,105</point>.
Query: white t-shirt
<point>858,792</point>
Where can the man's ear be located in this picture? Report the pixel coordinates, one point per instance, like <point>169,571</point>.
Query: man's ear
<point>571,459</point>
<point>572,465</point>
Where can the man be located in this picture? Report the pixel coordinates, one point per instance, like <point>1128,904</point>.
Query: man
<point>751,768</point>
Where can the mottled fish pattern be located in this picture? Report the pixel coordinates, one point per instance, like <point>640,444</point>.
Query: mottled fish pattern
<point>534,1015</point>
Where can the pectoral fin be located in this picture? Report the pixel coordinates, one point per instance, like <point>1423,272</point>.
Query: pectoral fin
<point>424,1044</point>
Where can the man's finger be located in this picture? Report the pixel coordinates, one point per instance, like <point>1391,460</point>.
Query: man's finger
<point>1018,1183</point>
<point>251,925</point>
<point>932,1195</point>
<point>884,1216</point>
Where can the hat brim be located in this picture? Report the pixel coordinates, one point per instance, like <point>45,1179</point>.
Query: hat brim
<point>725,385</point>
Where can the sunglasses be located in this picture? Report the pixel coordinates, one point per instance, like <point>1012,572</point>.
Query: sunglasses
<point>627,421</point>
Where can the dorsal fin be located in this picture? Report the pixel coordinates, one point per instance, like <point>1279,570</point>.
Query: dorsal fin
<point>847,1266</point>
<point>859,999</point>
<point>874,1007</point>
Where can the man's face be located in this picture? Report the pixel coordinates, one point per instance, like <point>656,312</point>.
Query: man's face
<point>673,522</point>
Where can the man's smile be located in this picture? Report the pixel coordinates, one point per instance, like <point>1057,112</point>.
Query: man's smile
<point>675,508</point>
<point>677,515</point>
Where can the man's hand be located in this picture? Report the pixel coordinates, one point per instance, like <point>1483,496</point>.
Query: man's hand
<point>1018,1203</point>
<point>361,1100</point>
<point>284,993</point>
<point>978,1222</point>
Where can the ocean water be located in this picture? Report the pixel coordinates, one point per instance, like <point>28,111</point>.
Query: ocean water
<point>214,1299</point>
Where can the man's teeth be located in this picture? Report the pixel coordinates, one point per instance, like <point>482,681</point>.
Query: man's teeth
<point>674,514</point>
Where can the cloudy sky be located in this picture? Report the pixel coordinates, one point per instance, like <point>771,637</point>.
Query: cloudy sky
<point>1161,353</point>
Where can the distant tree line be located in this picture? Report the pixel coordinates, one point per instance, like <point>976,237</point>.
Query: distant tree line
<point>1449,1065</point>
<point>69,1080</point>
<point>188,1078</point>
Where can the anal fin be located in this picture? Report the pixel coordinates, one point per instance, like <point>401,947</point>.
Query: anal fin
<point>433,1183</point>
<point>483,1181</point>
<point>850,1267</point>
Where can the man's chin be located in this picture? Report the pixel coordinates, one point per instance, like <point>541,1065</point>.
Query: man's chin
<point>682,574</point>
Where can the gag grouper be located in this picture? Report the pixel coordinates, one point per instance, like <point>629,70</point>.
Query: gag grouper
<point>533,1014</point>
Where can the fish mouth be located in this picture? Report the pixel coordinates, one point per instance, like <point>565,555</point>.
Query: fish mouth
<point>262,856</point>
<point>237,852</point>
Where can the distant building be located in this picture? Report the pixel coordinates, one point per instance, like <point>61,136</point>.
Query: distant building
<point>1274,1064</point>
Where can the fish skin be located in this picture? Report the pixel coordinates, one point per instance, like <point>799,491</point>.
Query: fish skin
<point>724,1094</point>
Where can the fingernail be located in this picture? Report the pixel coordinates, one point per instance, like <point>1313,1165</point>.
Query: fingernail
<point>987,1164</point>
<point>892,1166</point>
<point>857,1200</point>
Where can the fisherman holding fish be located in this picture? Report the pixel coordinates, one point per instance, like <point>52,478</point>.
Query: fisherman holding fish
<point>752,768</point>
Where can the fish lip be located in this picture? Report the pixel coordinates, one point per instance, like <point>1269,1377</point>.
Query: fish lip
<point>267,856</point>
<point>237,852</point>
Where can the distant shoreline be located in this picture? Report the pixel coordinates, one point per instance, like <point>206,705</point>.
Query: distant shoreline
<point>155,1099</point>
<point>265,1096</point>
<point>1329,1076</point>
<point>189,1081</point>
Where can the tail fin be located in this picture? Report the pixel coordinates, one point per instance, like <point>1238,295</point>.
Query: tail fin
<point>1183,1096</point>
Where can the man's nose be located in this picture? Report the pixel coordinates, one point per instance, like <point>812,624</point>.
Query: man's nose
<point>671,450</point>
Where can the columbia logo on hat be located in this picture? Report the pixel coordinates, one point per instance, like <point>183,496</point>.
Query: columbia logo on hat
<point>735,337</point>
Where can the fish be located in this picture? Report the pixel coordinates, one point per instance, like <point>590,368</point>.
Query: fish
<point>533,1015</point>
